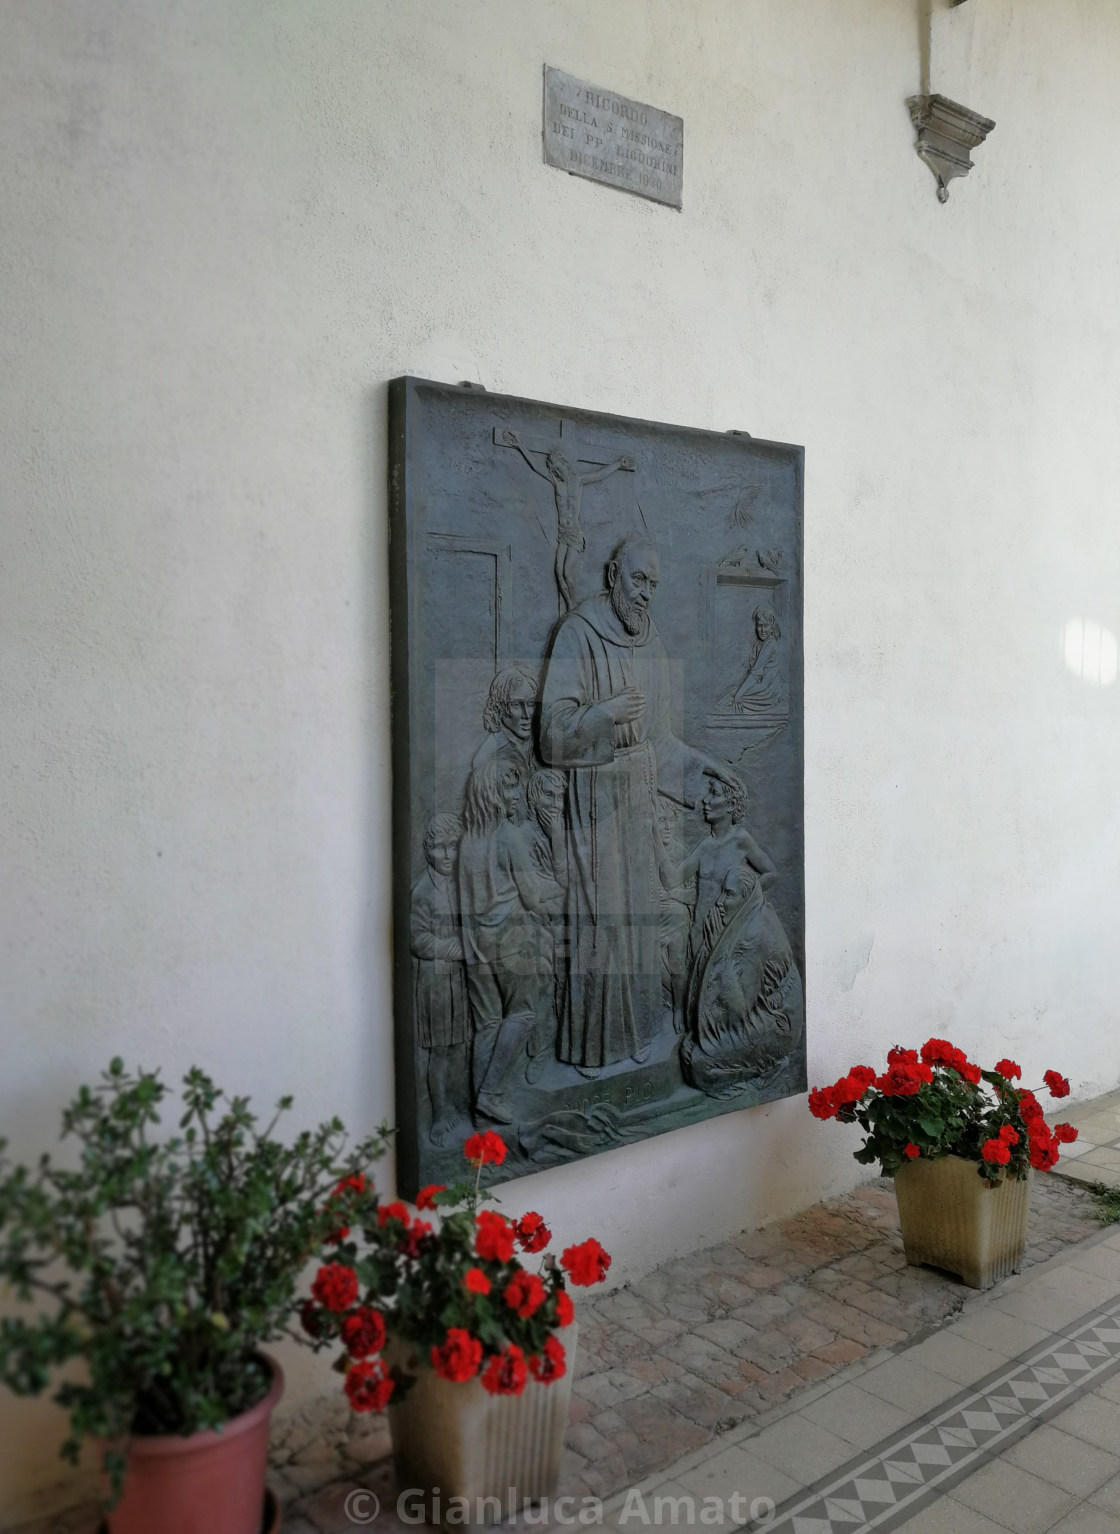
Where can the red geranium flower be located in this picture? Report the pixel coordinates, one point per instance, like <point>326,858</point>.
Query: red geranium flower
<point>411,1243</point>
<point>850,1088</point>
<point>1029,1108</point>
<point>335,1286</point>
<point>480,1149</point>
<point>426,1198</point>
<point>821,1105</point>
<point>585,1264</point>
<point>939,1052</point>
<point>1065,1134</point>
<point>525,1293</point>
<point>358,1183</point>
<point>310,1319</point>
<point>904,1077</point>
<point>395,1211</point>
<point>1037,1130</point>
<point>550,1363</point>
<point>506,1373</point>
<point>533,1235</point>
<point>494,1236</point>
<point>475,1281</point>
<point>565,1310</point>
<point>458,1357</point>
<point>368,1386</point>
<point>363,1333</point>
<point>929,1075</point>
<point>996,1151</point>
<point>344,1192</point>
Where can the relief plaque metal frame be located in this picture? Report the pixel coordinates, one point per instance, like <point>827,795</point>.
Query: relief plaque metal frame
<point>597,776</point>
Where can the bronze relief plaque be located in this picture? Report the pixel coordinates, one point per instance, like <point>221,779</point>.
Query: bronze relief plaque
<point>597,776</point>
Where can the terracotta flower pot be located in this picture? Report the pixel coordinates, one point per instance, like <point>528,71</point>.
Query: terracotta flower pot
<point>950,1219</point>
<point>454,1439</point>
<point>207,1483</point>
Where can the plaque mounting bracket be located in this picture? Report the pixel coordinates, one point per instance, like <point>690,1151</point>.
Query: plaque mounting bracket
<point>947,132</point>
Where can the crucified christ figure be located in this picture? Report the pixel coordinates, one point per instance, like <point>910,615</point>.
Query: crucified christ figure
<point>567,480</point>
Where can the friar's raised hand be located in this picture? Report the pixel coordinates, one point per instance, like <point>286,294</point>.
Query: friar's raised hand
<point>625,707</point>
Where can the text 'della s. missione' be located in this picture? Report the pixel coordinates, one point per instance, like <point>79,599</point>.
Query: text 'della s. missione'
<point>606,137</point>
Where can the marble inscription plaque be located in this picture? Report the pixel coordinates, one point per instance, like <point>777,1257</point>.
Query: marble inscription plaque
<point>606,137</point>
<point>597,776</point>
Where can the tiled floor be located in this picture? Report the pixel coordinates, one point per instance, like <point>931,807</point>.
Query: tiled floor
<point>808,1366</point>
<point>1006,1420</point>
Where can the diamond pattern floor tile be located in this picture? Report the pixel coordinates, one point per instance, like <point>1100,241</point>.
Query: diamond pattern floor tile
<point>883,1487</point>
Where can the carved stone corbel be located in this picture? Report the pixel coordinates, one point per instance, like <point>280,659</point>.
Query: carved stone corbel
<point>946,133</point>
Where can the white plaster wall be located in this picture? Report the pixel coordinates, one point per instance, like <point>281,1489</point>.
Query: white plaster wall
<point>226,223</point>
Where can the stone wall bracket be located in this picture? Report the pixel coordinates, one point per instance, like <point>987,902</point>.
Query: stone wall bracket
<point>947,132</point>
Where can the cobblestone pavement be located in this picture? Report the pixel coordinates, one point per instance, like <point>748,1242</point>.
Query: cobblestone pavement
<point>667,1364</point>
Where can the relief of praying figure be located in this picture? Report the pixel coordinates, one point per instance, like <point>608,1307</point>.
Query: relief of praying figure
<point>568,481</point>
<point>503,896</point>
<point>745,1005</point>
<point>605,718</point>
<point>728,845</point>
<point>761,690</point>
<point>439,987</point>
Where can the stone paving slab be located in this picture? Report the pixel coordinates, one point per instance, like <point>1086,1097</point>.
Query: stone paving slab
<point>1095,1155</point>
<point>709,1348</point>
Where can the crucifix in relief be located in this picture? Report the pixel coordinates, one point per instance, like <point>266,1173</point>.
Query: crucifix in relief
<point>567,474</point>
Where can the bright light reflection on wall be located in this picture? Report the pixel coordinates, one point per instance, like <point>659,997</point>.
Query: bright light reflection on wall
<point>1090,651</point>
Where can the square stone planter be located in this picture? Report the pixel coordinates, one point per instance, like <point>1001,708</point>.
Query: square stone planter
<point>455,1440</point>
<point>950,1219</point>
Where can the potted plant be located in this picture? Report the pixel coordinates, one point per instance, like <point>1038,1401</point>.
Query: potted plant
<point>960,1143</point>
<point>162,1265</point>
<point>443,1325</point>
